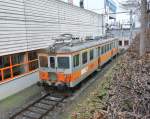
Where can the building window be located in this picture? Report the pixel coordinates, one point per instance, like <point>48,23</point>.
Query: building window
<point>0,75</point>
<point>126,42</point>
<point>18,70</point>
<point>7,73</point>
<point>1,62</point>
<point>33,62</point>
<point>91,54</point>
<point>120,43</point>
<point>15,65</point>
<point>18,58</point>
<point>76,60</point>
<point>84,58</point>
<point>5,61</point>
<point>32,55</point>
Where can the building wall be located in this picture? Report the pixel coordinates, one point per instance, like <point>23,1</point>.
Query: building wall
<point>31,24</point>
<point>20,83</point>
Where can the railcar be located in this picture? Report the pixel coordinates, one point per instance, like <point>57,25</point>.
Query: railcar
<point>70,61</point>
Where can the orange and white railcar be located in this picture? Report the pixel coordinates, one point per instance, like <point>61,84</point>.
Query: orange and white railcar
<point>68,63</point>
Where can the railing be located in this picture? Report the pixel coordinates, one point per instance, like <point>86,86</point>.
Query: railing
<point>13,71</point>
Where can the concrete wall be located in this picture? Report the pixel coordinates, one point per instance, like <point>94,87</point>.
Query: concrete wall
<point>18,84</point>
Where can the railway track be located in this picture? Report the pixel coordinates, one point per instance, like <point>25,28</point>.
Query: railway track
<point>41,107</point>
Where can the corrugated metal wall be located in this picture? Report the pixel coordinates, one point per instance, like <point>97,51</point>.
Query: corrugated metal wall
<point>31,24</point>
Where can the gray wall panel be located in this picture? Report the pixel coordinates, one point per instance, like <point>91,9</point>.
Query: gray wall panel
<point>34,23</point>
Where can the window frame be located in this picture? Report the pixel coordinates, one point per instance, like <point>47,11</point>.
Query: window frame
<point>92,54</point>
<point>66,56</point>
<point>103,50</point>
<point>83,63</point>
<point>49,62</point>
<point>24,64</point>
<point>99,51</point>
<point>74,63</point>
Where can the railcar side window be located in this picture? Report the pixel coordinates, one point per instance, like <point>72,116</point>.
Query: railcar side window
<point>76,60</point>
<point>63,62</point>
<point>111,45</point>
<point>103,50</point>
<point>107,47</point>
<point>52,62</point>
<point>43,61</point>
<point>91,54</point>
<point>99,51</point>
<point>84,58</point>
<point>114,45</point>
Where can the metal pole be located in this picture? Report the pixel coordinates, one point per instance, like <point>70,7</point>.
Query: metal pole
<point>143,27</point>
<point>131,25</point>
<point>102,24</point>
<point>105,5</point>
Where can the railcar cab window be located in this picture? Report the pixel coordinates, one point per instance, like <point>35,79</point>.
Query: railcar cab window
<point>84,58</point>
<point>91,54</point>
<point>52,62</point>
<point>63,62</point>
<point>76,60</point>
<point>43,61</point>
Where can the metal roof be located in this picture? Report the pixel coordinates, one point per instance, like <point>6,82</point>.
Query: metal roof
<point>68,48</point>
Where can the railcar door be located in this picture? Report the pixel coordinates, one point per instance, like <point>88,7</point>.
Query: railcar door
<point>99,54</point>
<point>63,68</point>
<point>53,69</point>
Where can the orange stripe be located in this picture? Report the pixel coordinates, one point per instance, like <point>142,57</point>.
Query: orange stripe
<point>44,75</point>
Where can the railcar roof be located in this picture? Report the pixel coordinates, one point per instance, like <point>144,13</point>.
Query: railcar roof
<point>67,48</point>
